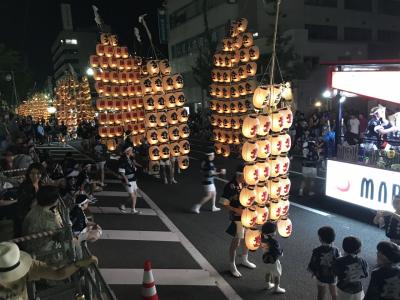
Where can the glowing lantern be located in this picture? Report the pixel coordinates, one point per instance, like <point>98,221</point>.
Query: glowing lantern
<point>216,60</point>
<point>156,84</point>
<point>154,167</point>
<point>122,77</point>
<point>162,119</point>
<point>138,91</point>
<point>182,115</point>
<point>100,49</point>
<point>162,135</point>
<point>225,92</point>
<point>276,144</point>
<point>274,188</point>
<point>250,126</point>
<point>146,86</point>
<point>254,53</point>
<point>217,148</point>
<point>124,91</point>
<point>235,75</point>
<point>151,120</point>
<point>111,131</point>
<point>249,151</point>
<point>100,104</point>
<point>234,91</point>
<point>226,76</point>
<point>119,131</point>
<point>265,124</point>
<point>227,44</point>
<point>131,90</point>
<point>118,118</point>
<point>285,204</point>
<point>275,210</point>
<point>184,131</point>
<point>274,94</point>
<point>247,39</point>
<point>237,42</point>
<point>185,147</point>
<point>287,94</point>
<point>262,214</point>
<point>117,52</point>
<point>125,104</point>
<point>235,58</point>
<point>104,39</point>
<point>251,69</point>
<point>104,62</point>
<point>105,76</point>
<point>247,196</point>
<point>172,117</point>
<point>251,174</point>
<point>154,153</point>
<point>227,123</point>
<point>244,55</point>
<point>260,97</point>
<point>170,100</point>
<point>129,64</point>
<point>183,162</point>
<point>103,119</point>
<point>165,67</point>
<point>274,166</point>
<point>253,239</point>
<point>234,107</point>
<point>121,64</point>
<point>159,102</point>
<point>175,149</point>
<point>112,62</point>
<point>277,121</point>
<point>264,171</point>
<point>286,141</point>
<point>242,25</point>
<point>236,138</point>
<point>285,185</point>
<point>284,227</point>
<point>178,81</point>
<point>142,128</point>
<point>164,151</point>
<point>94,61</point>
<point>103,132</point>
<point>261,193</point>
<point>143,70</point>
<point>250,86</point>
<point>225,150</point>
<point>115,90</point>
<point>148,102</point>
<point>111,119</point>
<point>152,67</point>
<point>180,99</point>
<point>249,217</point>
<point>111,145</point>
<point>287,115</point>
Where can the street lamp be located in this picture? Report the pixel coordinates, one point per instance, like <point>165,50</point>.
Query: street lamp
<point>342,99</point>
<point>89,72</point>
<point>327,94</point>
<point>318,104</point>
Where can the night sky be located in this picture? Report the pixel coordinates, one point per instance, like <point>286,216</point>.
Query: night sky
<point>30,26</point>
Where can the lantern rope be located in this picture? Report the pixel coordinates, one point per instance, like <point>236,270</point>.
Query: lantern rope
<point>273,58</point>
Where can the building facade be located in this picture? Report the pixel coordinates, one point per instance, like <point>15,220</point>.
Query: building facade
<point>319,30</point>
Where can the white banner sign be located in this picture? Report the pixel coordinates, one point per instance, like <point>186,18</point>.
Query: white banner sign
<point>365,186</point>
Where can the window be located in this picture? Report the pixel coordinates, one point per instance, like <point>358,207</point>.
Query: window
<point>311,61</point>
<point>327,3</point>
<point>388,36</point>
<point>357,34</point>
<point>321,32</point>
<point>364,5</point>
<point>389,7</point>
<point>71,41</point>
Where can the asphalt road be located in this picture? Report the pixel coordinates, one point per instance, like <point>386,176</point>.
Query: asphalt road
<point>181,252</point>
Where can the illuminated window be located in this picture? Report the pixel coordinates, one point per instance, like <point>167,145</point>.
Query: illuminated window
<point>71,41</point>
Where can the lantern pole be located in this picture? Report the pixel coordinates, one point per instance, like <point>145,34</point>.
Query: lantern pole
<point>271,78</point>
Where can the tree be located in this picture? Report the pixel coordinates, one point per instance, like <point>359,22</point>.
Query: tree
<point>204,61</point>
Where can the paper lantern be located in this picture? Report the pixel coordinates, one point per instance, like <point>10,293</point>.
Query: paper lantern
<point>249,217</point>
<point>151,119</point>
<point>225,92</point>
<point>250,87</point>
<point>183,162</point>
<point>276,144</point>
<point>148,103</point>
<point>235,75</point>
<point>249,151</point>
<point>100,104</point>
<point>170,100</point>
<point>164,151</point>
<point>112,62</point>
<point>115,90</point>
<point>287,116</point>
<point>143,70</point>
<point>260,97</point>
<point>274,166</point>
<point>274,94</point>
<point>287,93</point>
<point>247,39</point>
<point>103,132</point>
<point>227,44</point>
<point>118,118</point>
<point>161,119</point>
<point>105,76</point>
<point>111,131</point>
<point>111,145</point>
<point>122,77</point>
<point>125,104</point>
<point>154,167</point>
<point>124,90</point>
<point>253,239</point>
<point>216,60</point>
<point>180,99</point>
<point>263,167</point>
<point>220,108</point>
<point>251,69</point>
<point>226,76</point>
<point>262,214</point>
<point>94,61</point>
<point>250,126</point>
<point>265,124</point>
<point>172,117</point>
<point>217,148</point>
<point>242,24</point>
<point>234,121</point>
<point>138,91</point>
<point>104,39</point>
<point>235,58</point>
<point>131,90</point>
<point>103,118</point>
<point>139,102</point>
<point>100,49</point>
<point>103,62</point>
<point>247,196</point>
<point>236,138</point>
<point>184,131</point>
<point>119,131</point>
<point>162,135</point>
<point>178,81</point>
<point>277,121</point>
<point>284,227</point>
<point>154,153</point>
<point>254,53</point>
<point>225,150</point>
<point>183,115</point>
<point>117,52</point>
<point>165,67</point>
<point>233,29</point>
<point>226,122</point>
<point>261,193</point>
<point>156,84</point>
<point>185,147</point>
<point>286,141</point>
<point>251,174</point>
<point>275,210</point>
<point>129,64</point>
<point>159,101</point>
<point>174,149</point>
<point>121,64</point>
<point>142,128</point>
<point>152,67</point>
<point>234,91</point>
<point>274,188</point>
<point>244,55</point>
<point>285,185</point>
<point>124,52</point>
<point>146,86</point>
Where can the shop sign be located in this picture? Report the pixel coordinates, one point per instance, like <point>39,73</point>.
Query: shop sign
<point>361,185</point>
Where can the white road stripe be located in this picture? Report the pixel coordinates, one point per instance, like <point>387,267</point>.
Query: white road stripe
<point>116,211</point>
<point>316,211</point>
<point>215,277</point>
<point>161,277</point>
<point>134,235</point>
<point>111,194</point>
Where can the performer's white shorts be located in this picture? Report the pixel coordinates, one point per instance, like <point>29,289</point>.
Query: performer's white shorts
<point>209,188</point>
<point>274,270</point>
<point>132,188</point>
<point>346,296</point>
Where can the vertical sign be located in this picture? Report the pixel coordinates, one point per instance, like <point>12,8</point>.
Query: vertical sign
<point>66,16</point>
<point>162,26</point>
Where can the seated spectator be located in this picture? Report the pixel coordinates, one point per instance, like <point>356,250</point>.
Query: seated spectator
<point>19,268</point>
<point>85,184</point>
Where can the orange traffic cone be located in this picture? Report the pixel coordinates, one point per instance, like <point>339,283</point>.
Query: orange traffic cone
<point>149,291</point>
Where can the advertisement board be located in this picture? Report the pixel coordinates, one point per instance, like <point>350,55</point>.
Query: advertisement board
<point>361,185</point>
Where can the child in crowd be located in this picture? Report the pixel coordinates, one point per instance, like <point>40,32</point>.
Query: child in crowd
<point>272,252</point>
<point>321,263</point>
<point>350,269</point>
<point>390,221</point>
<point>385,279</point>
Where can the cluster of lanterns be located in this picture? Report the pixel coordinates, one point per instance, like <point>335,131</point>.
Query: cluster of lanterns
<point>233,85</point>
<point>165,117</point>
<point>35,106</point>
<point>120,101</point>
<point>84,106</point>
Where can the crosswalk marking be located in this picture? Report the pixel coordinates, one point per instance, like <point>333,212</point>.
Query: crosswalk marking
<point>111,194</point>
<point>135,235</point>
<point>116,211</point>
<point>191,277</point>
